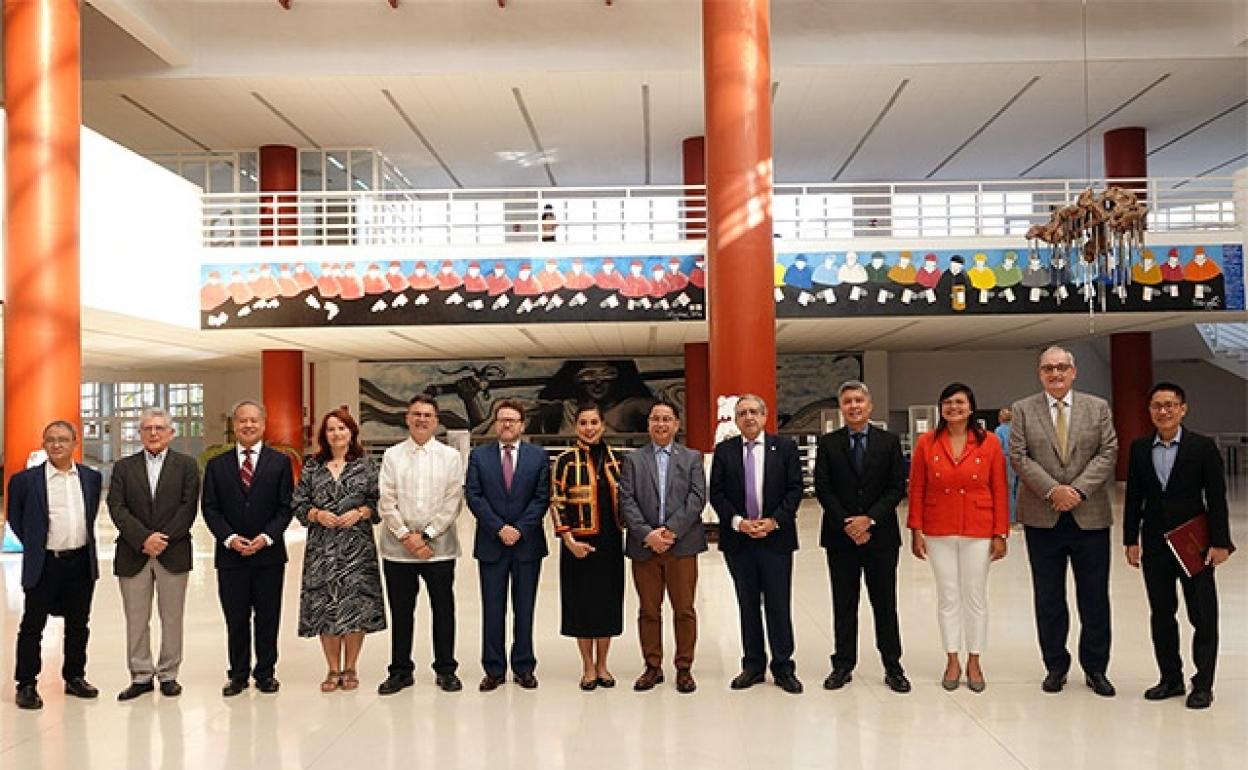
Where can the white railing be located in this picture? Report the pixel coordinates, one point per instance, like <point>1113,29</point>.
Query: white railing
<point>662,214</point>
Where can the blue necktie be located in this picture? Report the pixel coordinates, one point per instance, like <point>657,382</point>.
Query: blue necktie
<point>859,451</point>
<point>661,456</point>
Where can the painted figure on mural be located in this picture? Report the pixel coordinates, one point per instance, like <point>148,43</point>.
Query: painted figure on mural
<point>1008,276</point>
<point>475,288</point>
<point>212,294</point>
<point>1036,279</point>
<point>1204,277</point>
<point>615,387</point>
<point>928,277</point>
<point>1172,277</point>
<point>610,283</point>
<point>526,286</point>
<point>826,278</point>
<point>636,287</point>
<point>498,286</point>
<point>1060,278</point>
<point>877,278</point>
<point>953,284</point>
<point>678,283</point>
<point>423,282</point>
<point>902,276</point>
<point>853,274</point>
<point>552,281</point>
<point>1147,276</point>
<point>799,278</point>
<point>288,288</point>
<point>305,280</point>
<point>659,287</point>
<point>983,278</point>
<point>351,287</point>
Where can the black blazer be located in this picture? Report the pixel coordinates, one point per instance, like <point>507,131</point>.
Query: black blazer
<point>1197,485</point>
<point>138,514</point>
<point>876,494</point>
<point>523,507</point>
<point>27,503</point>
<point>265,508</point>
<point>782,491</point>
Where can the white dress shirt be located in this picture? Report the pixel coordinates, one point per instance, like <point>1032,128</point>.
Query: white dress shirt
<point>1053,408</point>
<point>67,511</point>
<point>255,460</point>
<point>154,464</point>
<point>753,463</point>
<point>421,488</point>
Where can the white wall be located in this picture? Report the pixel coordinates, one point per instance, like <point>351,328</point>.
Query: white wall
<point>1217,400</point>
<point>336,383</point>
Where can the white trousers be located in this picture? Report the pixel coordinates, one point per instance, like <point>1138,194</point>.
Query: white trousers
<point>960,565</point>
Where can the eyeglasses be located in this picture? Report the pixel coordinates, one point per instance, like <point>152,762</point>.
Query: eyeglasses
<point>1058,368</point>
<point>1165,406</point>
<point>507,420</point>
<point>662,419</point>
<point>154,428</point>
<point>55,440</point>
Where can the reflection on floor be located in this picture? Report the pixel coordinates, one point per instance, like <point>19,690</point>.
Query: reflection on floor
<point>1013,724</point>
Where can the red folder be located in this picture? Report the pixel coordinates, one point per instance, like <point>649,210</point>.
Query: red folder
<point>1190,543</point>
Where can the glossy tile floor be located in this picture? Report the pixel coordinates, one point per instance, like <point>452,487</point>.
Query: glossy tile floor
<point>1012,725</point>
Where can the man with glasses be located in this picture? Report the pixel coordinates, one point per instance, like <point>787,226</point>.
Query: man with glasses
<point>422,488</point>
<point>52,510</point>
<point>153,498</point>
<point>508,491</point>
<point>1175,475</point>
<point>1063,447</point>
<point>662,494</point>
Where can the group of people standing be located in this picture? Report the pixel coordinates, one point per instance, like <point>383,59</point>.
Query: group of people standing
<point>644,506</point>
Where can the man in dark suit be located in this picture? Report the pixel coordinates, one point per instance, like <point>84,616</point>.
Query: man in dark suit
<point>662,494</point>
<point>1064,449</point>
<point>51,509</point>
<point>1174,476</point>
<point>860,478</point>
<point>508,490</point>
<point>153,498</point>
<point>246,503</point>
<point>756,487</point>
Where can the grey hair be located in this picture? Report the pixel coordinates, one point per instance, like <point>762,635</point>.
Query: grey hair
<point>762,405</point>
<point>155,413</point>
<point>853,385</point>
<point>1070,357</point>
<point>66,424</point>
<point>264,413</point>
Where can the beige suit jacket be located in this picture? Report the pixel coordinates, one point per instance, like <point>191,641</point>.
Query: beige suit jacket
<point>1092,449</point>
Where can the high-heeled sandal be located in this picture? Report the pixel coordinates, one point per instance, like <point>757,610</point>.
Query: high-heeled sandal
<point>350,680</point>
<point>332,681</point>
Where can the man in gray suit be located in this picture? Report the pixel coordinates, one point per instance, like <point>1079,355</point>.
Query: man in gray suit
<point>662,494</point>
<point>1063,447</point>
<point>153,498</point>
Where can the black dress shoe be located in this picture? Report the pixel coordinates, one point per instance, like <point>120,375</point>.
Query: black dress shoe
<point>1054,681</point>
<point>787,682</point>
<point>1164,689</point>
<point>234,687</point>
<point>897,682</point>
<point>748,679</point>
<point>28,698</point>
<point>135,690</point>
<point>606,682</point>
<point>268,685</point>
<point>589,684</point>
<point>527,680</point>
<point>1200,699</point>
<point>80,688</point>
<point>449,683</point>
<point>489,683</point>
<point>171,688</point>
<point>1100,684</point>
<point>838,679</point>
<point>394,683</point>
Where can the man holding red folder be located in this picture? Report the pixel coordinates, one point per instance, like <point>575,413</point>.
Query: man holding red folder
<point>1174,476</point>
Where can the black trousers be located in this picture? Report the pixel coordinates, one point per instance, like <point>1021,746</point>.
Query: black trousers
<point>402,587</point>
<point>65,586</point>
<point>764,582</point>
<point>251,595</point>
<point>1088,553</point>
<point>1200,594</point>
<point>848,570</point>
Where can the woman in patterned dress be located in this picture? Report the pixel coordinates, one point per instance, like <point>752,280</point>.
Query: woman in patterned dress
<point>336,499</point>
<point>591,562</point>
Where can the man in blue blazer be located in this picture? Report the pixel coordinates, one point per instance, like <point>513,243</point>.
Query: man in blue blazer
<point>51,509</point>
<point>246,504</point>
<point>508,491</point>
<point>756,487</point>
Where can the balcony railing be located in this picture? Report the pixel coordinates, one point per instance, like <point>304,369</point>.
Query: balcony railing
<point>652,214</point>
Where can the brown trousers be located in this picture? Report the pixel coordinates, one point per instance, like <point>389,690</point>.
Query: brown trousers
<point>679,576</point>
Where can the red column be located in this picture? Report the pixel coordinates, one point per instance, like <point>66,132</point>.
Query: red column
<point>42,308</point>
<point>699,416</point>
<point>736,40</point>
<point>1131,375</point>
<point>281,387</point>
<point>693,157</point>
<point>1126,157</point>
<point>279,172</point>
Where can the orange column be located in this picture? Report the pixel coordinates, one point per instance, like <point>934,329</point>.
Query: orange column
<point>281,387</point>
<point>1131,377</point>
<point>279,172</point>
<point>699,416</point>
<point>736,41</point>
<point>43,101</point>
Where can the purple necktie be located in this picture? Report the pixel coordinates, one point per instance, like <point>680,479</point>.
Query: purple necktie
<point>509,466</point>
<point>751,485</point>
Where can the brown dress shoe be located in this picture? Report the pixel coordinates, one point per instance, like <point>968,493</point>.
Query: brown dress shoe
<point>648,679</point>
<point>490,683</point>
<point>684,681</point>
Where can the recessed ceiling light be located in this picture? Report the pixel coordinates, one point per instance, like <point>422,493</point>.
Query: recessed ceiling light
<point>530,158</point>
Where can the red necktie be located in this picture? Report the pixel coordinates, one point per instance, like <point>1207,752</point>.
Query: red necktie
<point>247,470</point>
<point>509,466</point>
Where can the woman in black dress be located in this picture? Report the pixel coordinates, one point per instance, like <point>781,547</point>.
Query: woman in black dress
<point>591,562</point>
<point>336,499</point>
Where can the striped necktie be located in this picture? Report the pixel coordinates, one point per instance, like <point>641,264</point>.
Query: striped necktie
<point>248,469</point>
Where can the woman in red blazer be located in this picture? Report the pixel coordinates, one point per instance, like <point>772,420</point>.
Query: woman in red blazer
<point>960,518</point>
